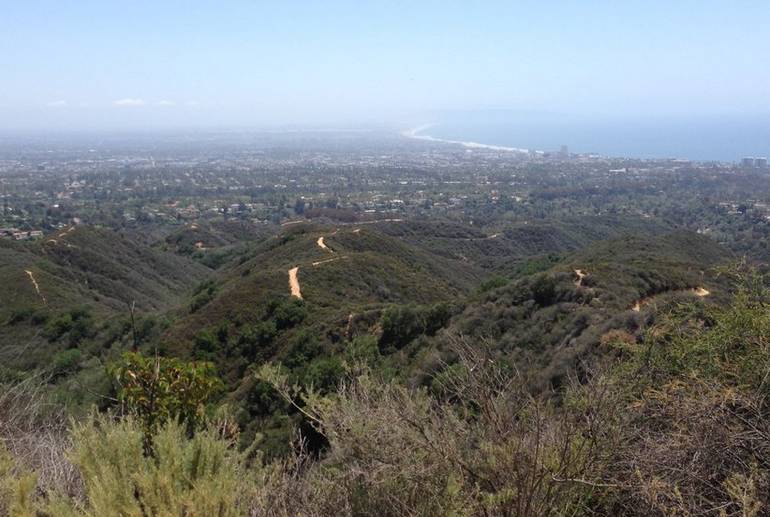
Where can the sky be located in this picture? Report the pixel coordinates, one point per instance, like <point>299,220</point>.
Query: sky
<point>248,63</point>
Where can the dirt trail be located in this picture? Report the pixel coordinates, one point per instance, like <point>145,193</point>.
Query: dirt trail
<point>61,236</point>
<point>322,245</point>
<point>326,261</point>
<point>294,282</point>
<point>697,291</point>
<point>60,243</point>
<point>700,291</point>
<point>580,275</point>
<point>375,221</point>
<point>37,287</point>
<point>349,327</point>
<point>68,231</point>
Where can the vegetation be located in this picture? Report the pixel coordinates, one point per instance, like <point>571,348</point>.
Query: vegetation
<point>548,366</point>
<point>671,423</point>
<point>479,333</point>
<point>156,390</point>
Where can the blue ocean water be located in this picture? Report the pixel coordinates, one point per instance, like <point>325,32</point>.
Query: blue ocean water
<point>725,139</point>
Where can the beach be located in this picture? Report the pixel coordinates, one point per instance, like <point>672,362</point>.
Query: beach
<point>416,133</point>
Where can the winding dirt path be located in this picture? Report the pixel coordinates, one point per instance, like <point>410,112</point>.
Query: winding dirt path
<point>35,284</point>
<point>697,291</point>
<point>294,282</point>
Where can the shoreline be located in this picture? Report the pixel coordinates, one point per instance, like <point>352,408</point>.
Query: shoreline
<point>415,134</point>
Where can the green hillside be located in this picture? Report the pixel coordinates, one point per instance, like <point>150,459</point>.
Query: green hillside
<point>552,320</point>
<point>68,296</point>
<point>93,265</point>
<point>213,244</point>
<point>508,248</point>
<point>360,270</point>
<point>393,293</point>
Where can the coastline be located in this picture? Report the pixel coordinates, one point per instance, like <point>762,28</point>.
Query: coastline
<point>415,133</point>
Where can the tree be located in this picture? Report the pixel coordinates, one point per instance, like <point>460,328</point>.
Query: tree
<point>299,206</point>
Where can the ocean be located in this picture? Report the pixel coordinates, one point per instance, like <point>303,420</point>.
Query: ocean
<point>725,139</point>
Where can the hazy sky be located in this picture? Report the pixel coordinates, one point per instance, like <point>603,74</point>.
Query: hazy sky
<point>108,63</point>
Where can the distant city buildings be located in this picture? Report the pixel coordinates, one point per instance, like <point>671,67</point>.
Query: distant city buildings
<point>752,162</point>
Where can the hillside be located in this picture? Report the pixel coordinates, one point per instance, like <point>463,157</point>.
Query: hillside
<point>313,294</point>
<point>552,320</point>
<point>512,248</point>
<point>394,293</point>
<point>358,270</point>
<point>213,244</point>
<point>93,265</point>
<point>72,290</point>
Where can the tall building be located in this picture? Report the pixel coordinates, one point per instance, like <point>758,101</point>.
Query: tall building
<point>564,152</point>
<point>760,162</point>
<point>747,162</point>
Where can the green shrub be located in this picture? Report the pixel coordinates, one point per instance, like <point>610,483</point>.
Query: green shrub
<point>201,300</point>
<point>492,283</point>
<point>66,362</point>
<point>19,315</point>
<point>58,326</point>
<point>400,325</point>
<point>363,350</point>
<point>192,476</point>
<point>159,389</point>
<point>303,348</point>
<point>77,324</point>
<point>288,313</point>
<point>323,374</point>
<point>544,290</point>
<point>17,488</point>
<point>255,338</point>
